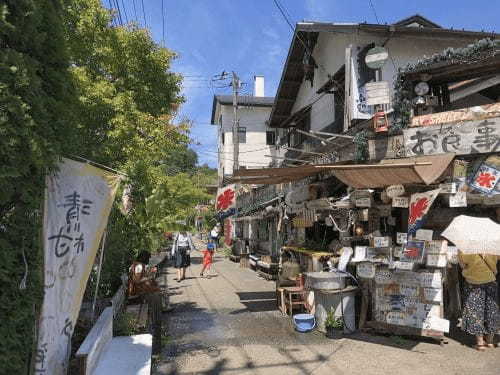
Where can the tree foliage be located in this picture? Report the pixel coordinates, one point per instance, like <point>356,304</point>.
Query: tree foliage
<point>73,85</point>
<point>36,127</point>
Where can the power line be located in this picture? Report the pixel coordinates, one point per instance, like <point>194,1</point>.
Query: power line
<point>144,14</point>
<point>374,11</point>
<point>163,22</point>
<point>120,20</point>
<point>135,12</point>
<point>125,11</point>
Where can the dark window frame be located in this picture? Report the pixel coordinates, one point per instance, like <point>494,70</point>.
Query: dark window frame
<point>242,134</point>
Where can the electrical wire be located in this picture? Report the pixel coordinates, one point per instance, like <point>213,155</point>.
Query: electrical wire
<point>374,11</point>
<point>120,19</point>
<point>144,14</point>
<point>135,12</point>
<point>125,12</point>
<point>163,22</point>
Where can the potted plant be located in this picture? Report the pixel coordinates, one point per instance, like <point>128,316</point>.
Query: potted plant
<point>333,325</point>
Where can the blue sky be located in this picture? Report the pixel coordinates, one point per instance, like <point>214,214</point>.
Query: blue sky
<point>251,37</point>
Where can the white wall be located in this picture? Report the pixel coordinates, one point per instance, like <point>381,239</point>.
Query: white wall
<point>251,153</point>
<point>329,52</point>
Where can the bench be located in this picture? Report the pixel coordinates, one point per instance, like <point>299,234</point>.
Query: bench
<point>101,353</point>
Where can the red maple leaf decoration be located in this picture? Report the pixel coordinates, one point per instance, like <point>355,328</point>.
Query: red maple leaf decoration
<point>225,199</point>
<point>417,210</point>
<point>485,179</point>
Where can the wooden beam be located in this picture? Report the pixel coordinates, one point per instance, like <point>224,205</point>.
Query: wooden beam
<point>304,151</point>
<point>333,135</point>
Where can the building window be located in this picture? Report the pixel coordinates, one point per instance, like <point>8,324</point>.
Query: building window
<point>270,138</point>
<point>223,137</point>
<point>242,135</point>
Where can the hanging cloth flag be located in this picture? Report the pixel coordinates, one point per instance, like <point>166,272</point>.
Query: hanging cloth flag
<point>225,204</point>
<point>78,200</point>
<point>419,206</point>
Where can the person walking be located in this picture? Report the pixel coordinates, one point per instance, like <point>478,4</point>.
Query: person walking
<point>480,315</point>
<point>208,254</point>
<point>214,235</point>
<point>181,248</point>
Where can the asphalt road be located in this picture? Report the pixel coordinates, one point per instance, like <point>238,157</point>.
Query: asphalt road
<point>229,324</point>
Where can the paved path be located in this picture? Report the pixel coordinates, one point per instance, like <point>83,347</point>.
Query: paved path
<point>228,325</point>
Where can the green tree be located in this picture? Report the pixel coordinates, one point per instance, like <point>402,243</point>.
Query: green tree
<point>36,127</point>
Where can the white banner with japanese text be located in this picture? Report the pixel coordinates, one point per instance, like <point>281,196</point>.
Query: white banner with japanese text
<point>78,200</point>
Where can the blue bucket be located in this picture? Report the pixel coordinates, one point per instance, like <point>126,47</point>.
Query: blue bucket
<point>304,322</point>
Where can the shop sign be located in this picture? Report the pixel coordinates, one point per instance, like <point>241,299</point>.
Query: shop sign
<point>485,179</point>
<point>386,148</point>
<point>401,238</point>
<point>395,190</point>
<point>366,270</point>
<point>449,188</point>
<point>459,199</point>
<point>400,202</point>
<point>363,202</point>
<point>414,251</point>
<point>436,260</point>
<point>472,137</point>
<point>424,234</point>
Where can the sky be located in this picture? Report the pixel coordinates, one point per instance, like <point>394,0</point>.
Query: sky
<point>251,37</point>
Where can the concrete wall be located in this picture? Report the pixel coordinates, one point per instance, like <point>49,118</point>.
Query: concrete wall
<point>329,52</point>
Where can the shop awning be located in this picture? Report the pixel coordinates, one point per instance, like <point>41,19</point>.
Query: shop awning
<point>419,170</point>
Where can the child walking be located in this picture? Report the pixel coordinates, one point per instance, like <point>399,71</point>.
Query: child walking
<point>207,258</point>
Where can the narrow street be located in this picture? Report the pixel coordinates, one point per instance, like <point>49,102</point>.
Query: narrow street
<point>229,324</point>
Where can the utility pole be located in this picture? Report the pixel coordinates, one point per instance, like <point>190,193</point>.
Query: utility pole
<point>236,146</point>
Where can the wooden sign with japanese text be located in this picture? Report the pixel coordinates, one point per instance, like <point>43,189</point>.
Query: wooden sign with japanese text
<point>472,137</point>
<point>386,148</point>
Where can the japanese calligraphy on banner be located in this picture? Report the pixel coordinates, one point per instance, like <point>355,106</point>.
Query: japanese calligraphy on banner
<point>78,200</point>
<point>419,207</point>
<point>225,204</point>
<point>470,137</point>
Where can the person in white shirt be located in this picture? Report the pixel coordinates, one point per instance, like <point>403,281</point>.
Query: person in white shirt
<point>214,235</point>
<point>181,248</point>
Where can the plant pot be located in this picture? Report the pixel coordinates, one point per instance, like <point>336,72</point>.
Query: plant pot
<point>333,333</point>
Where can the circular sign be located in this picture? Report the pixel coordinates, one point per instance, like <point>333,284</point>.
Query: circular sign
<point>376,57</point>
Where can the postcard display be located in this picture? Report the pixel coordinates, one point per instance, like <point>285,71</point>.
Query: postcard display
<point>407,298</point>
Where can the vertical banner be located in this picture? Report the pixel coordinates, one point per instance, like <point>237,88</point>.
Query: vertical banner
<point>419,206</point>
<point>78,200</point>
<point>225,203</point>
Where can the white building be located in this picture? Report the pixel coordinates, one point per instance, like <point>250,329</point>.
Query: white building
<point>256,140</point>
<point>316,94</point>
